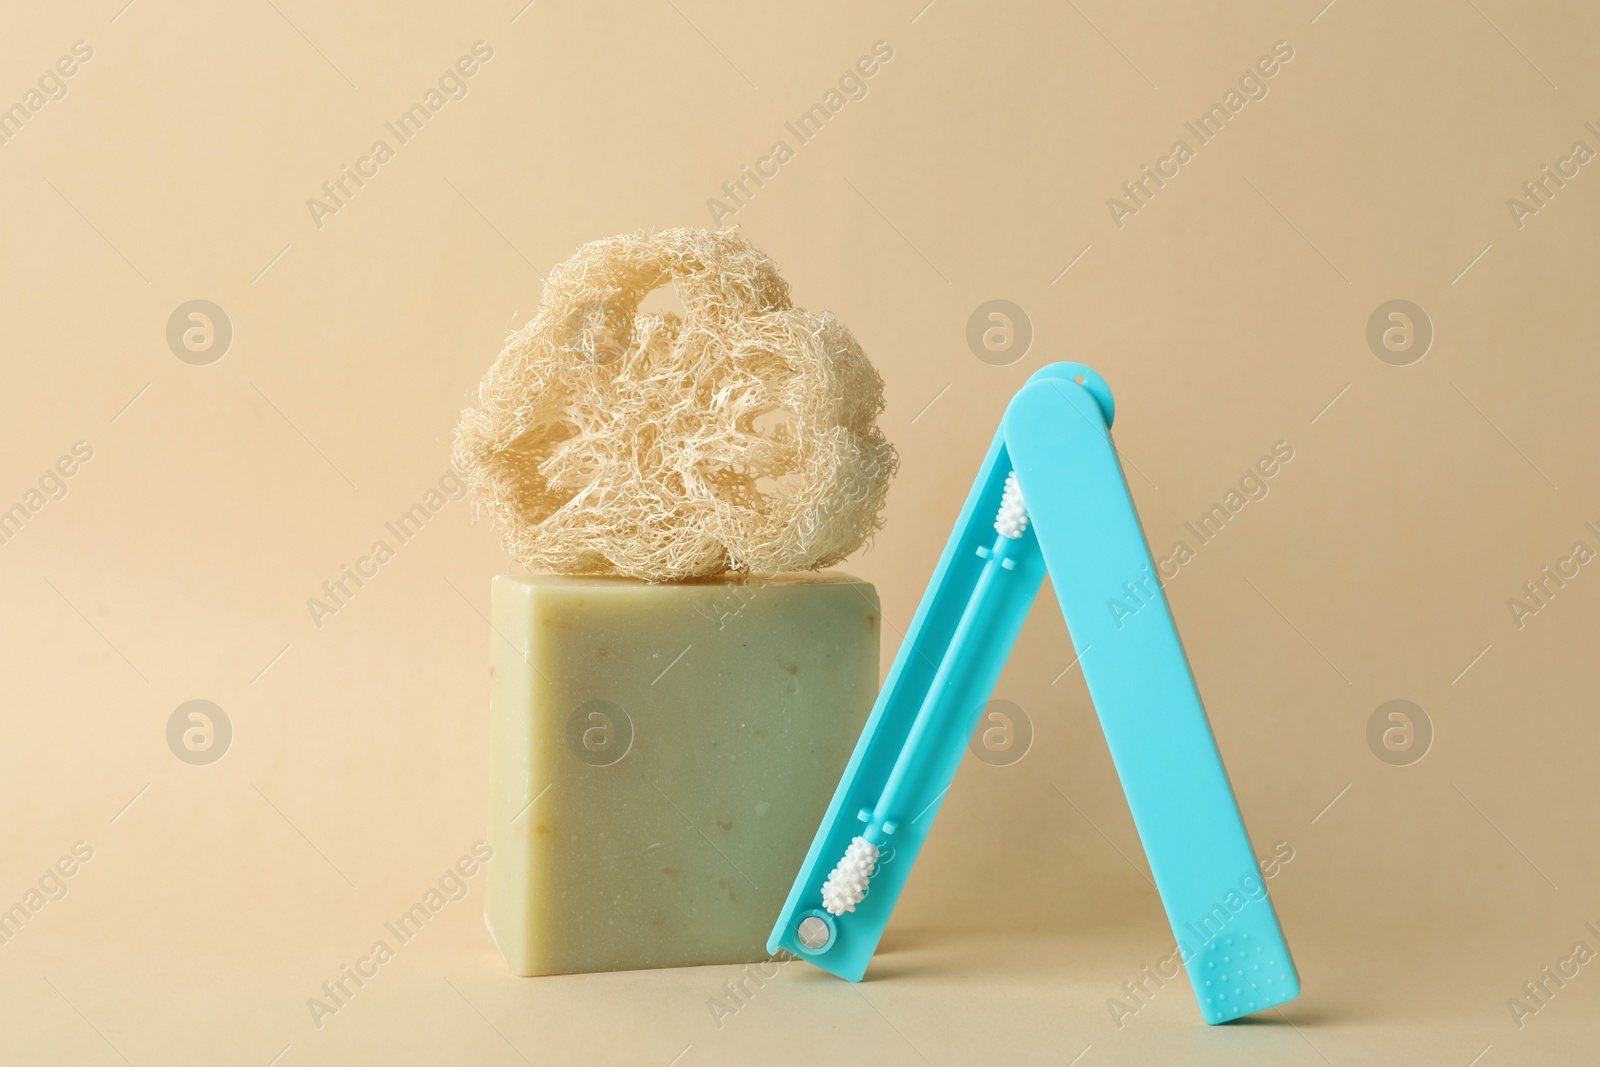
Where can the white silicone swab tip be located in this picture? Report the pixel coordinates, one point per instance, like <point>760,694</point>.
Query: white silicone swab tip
<point>1012,521</point>
<point>847,884</point>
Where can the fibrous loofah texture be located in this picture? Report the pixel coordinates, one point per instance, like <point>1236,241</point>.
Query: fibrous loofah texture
<point>740,436</point>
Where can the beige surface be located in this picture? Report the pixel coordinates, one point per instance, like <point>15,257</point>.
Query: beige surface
<point>1228,314</point>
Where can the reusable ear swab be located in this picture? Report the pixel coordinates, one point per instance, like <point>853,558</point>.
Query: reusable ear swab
<point>1063,506</point>
<point>945,711</point>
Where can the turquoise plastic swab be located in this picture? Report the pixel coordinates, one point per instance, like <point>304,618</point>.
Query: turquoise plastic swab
<point>1053,477</point>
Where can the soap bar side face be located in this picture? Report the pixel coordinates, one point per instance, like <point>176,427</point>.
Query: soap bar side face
<point>515,764</point>
<point>679,744</point>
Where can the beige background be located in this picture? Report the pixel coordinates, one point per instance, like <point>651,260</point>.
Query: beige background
<point>1228,314</point>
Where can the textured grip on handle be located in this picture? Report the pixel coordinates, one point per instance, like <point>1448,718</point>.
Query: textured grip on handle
<point>1236,976</point>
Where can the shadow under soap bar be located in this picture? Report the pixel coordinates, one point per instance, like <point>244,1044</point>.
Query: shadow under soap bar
<point>661,756</point>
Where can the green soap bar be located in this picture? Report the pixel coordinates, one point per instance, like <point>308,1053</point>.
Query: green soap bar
<point>661,756</point>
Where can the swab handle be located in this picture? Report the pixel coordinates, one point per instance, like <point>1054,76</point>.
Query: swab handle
<point>965,680</point>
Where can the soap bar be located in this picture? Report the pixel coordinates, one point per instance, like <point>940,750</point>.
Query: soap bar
<point>661,755</point>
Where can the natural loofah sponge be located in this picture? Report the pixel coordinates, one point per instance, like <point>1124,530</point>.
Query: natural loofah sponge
<point>740,436</point>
